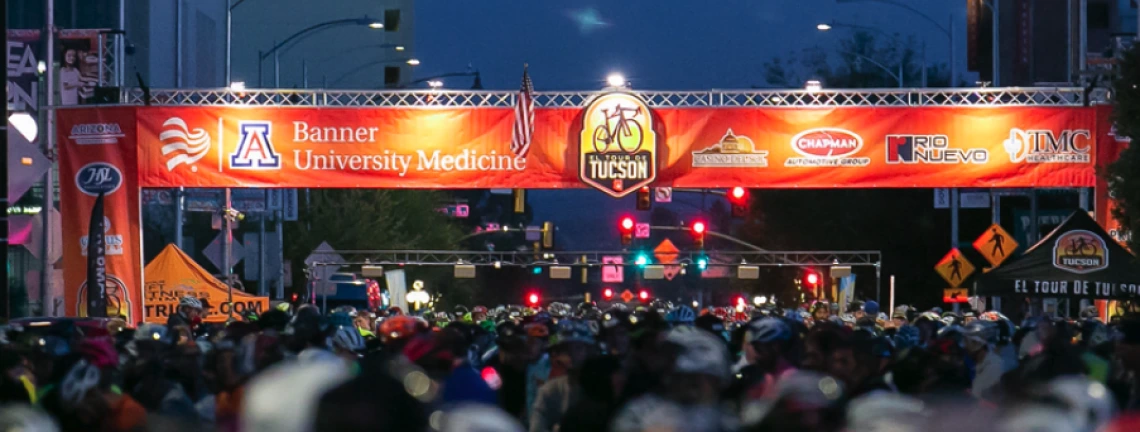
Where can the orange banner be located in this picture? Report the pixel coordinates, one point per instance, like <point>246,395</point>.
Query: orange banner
<point>684,147</point>
<point>98,151</point>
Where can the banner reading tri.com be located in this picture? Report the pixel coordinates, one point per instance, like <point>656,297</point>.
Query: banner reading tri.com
<point>686,147</point>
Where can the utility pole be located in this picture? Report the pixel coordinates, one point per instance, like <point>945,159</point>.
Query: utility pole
<point>46,285</point>
<point>227,243</point>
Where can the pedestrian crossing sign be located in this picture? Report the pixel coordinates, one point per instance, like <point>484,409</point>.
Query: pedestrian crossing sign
<point>995,244</point>
<point>954,267</point>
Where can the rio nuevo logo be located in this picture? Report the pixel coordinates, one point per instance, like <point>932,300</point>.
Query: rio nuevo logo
<point>930,149</point>
<point>1043,146</point>
<point>181,146</point>
<point>617,146</point>
<point>1080,251</point>
<point>827,147</point>
<point>96,133</point>
<point>98,177</point>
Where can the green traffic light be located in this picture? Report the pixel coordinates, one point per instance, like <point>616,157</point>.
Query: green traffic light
<point>642,260</point>
<point>702,263</point>
<point>537,270</point>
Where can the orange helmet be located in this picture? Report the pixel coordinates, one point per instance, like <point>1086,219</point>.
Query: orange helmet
<point>397,327</point>
<point>537,330</point>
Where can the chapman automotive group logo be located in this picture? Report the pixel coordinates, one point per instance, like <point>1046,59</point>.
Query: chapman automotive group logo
<point>930,149</point>
<point>181,146</point>
<point>1044,146</point>
<point>99,177</point>
<point>255,147</point>
<point>113,242</point>
<point>96,133</point>
<point>617,146</point>
<point>827,147</point>
<point>732,151</point>
<point>1080,251</point>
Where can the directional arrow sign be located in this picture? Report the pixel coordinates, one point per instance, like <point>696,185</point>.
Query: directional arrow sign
<point>26,165</point>
<point>955,295</point>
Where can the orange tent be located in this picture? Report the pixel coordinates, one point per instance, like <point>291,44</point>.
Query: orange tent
<point>173,275</point>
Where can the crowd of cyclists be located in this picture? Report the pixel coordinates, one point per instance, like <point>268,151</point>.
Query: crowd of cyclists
<point>650,367</point>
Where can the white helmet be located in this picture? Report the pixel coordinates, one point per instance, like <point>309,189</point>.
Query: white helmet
<point>701,352</point>
<point>190,302</point>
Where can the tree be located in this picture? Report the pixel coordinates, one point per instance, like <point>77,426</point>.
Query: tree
<point>850,69</point>
<point>1123,175</point>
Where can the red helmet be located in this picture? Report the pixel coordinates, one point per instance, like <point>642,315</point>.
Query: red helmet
<point>397,327</point>
<point>479,309</point>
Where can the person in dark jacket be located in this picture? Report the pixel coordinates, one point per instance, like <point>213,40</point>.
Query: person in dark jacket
<point>602,381</point>
<point>189,312</point>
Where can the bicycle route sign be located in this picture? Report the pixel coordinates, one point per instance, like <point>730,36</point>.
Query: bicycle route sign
<point>954,267</point>
<point>617,146</point>
<point>996,244</point>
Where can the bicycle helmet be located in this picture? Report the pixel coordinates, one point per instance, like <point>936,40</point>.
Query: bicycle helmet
<point>1088,403</point>
<point>397,327</point>
<point>1093,332</point>
<point>347,339</point>
<point>985,332</point>
<point>190,302</point>
<point>907,336</point>
<point>681,315</point>
<point>804,389</point>
<point>537,330</point>
<point>479,309</point>
<point>699,352</point>
<point>768,330</point>
<point>1090,312</point>
<point>151,332</point>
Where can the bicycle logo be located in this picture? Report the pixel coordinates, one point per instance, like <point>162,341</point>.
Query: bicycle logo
<point>624,132</point>
<point>1080,251</point>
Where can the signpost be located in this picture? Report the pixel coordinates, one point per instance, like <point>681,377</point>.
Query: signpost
<point>612,273</point>
<point>941,198</point>
<point>663,194</point>
<point>995,244</point>
<point>955,295</point>
<point>626,296</point>
<point>666,254</point>
<point>954,267</point>
<point>641,230</point>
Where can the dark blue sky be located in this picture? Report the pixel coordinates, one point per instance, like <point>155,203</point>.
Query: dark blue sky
<point>657,44</point>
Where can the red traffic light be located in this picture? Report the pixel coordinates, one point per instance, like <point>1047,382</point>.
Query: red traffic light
<point>626,224</point>
<point>812,278</point>
<point>740,301</point>
<point>643,294</point>
<point>608,293</point>
<point>738,193</point>
<point>532,299</point>
<point>699,227</point>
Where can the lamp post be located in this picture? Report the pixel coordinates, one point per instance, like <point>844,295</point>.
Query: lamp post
<point>948,31</point>
<point>262,55</point>
<point>823,27</point>
<point>358,69</point>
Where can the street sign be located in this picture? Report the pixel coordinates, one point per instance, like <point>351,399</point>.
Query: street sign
<point>955,295</point>
<point>533,233</point>
<point>954,267</point>
<point>275,199</point>
<point>626,296</point>
<point>289,204</point>
<point>213,252</point>
<point>324,253</point>
<point>663,194</point>
<point>641,230</point>
<point>26,165</point>
<point>666,252</point>
<point>974,200</point>
<point>995,245</point>
<point>612,273</point>
<point>941,198</point>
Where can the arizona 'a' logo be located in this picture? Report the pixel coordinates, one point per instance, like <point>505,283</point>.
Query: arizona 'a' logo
<point>617,146</point>
<point>255,148</point>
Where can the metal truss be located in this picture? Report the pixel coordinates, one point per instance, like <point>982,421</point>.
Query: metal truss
<point>989,97</point>
<point>594,258</point>
<point>111,59</point>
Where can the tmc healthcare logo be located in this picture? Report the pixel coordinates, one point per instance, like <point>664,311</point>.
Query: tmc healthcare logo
<point>1044,146</point>
<point>181,146</point>
<point>99,177</point>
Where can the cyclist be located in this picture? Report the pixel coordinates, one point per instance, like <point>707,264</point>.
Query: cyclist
<point>980,337</point>
<point>189,311</point>
<point>766,348</point>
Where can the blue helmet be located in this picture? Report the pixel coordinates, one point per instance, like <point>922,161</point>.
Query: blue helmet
<point>681,315</point>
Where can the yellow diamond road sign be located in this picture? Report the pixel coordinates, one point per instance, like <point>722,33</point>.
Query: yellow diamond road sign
<point>954,267</point>
<point>995,244</point>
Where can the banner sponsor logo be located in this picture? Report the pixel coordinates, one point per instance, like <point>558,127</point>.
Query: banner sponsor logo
<point>930,149</point>
<point>112,242</point>
<point>23,75</point>
<point>118,299</point>
<point>255,147</point>
<point>827,147</point>
<point>98,177</point>
<point>1044,146</point>
<point>1079,288</point>
<point>96,133</point>
<point>1080,251</point>
<point>617,146</point>
<point>181,146</point>
<point>732,151</point>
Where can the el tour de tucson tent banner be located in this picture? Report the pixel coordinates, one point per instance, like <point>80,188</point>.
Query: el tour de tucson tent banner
<point>1079,259</point>
<point>615,144</point>
<point>172,275</point>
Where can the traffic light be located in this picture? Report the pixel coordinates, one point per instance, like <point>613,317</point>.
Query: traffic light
<point>548,235</point>
<point>738,197</point>
<point>642,259</point>
<point>536,270</point>
<point>812,278</point>
<point>608,293</point>
<point>625,227</point>
<point>532,299</point>
<point>697,229</point>
<point>643,295</point>
<point>702,262</point>
<point>644,201</point>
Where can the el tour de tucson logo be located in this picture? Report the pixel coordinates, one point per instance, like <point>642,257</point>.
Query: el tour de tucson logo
<point>617,146</point>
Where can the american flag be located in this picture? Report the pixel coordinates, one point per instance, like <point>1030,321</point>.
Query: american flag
<point>524,118</point>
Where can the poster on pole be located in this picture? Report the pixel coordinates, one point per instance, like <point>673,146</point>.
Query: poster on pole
<point>23,75</point>
<point>397,289</point>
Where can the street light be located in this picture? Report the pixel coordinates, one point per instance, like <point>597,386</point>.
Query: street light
<point>616,80</point>
<point>237,86</point>
<point>823,27</point>
<point>813,86</point>
<point>362,21</point>
<point>435,84</point>
<point>413,62</point>
<point>948,31</point>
